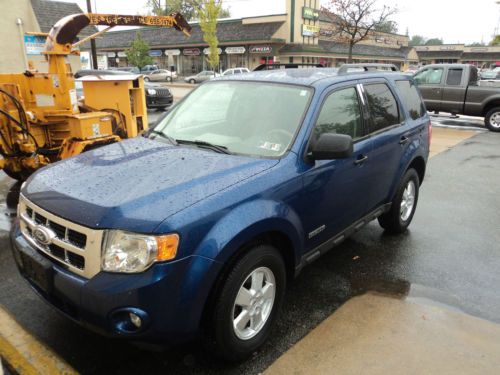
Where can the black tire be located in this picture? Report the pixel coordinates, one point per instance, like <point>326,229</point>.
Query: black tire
<point>146,79</point>
<point>17,175</point>
<point>221,337</point>
<point>392,221</point>
<point>192,81</point>
<point>169,79</point>
<point>494,126</point>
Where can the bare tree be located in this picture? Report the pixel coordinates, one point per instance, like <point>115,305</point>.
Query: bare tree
<point>354,20</point>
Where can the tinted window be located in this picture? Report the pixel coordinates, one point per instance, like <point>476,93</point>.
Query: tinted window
<point>430,76</point>
<point>411,99</point>
<point>383,106</point>
<point>454,76</point>
<point>340,114</point>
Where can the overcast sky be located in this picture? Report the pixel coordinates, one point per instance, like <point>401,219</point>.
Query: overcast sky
<point>454,21</point>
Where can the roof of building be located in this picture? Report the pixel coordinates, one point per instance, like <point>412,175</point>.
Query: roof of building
<point>439,54</point>
<point>363,49</point>
<point>227,31</point>
<point>48,13</point>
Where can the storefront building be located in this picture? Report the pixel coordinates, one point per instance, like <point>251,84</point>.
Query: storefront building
<point>481,56</point>
<point>302,34</point>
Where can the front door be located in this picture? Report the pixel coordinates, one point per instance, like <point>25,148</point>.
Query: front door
<point>336,191</point>
<point>430,83</point>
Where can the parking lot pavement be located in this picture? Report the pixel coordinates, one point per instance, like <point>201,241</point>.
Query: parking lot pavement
<point>449,255</point>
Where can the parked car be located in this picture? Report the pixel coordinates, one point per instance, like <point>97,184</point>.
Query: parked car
<point>198,227</point>
<point>149,68</point>
<point>454,88</point>
<point>160,75</point>
<point>156,96</point>
<point>235,71</point>
<point>493,74</point>
<point>130,69</point>
<point>202,76</point>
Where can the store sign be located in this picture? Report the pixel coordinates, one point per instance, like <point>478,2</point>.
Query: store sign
<point>122,54</point>
<point>172,52</point>
<point>35,44</point>
<point>421,48</point>
<point>192,52</point>
<point>206,51</point>
<point>479,49</point>
<point>310,30</point>
<point>111,54</point>
<point>155,53</point>
<point>310,14</point>
<point>235,50</point>
<point>261,49</point>
<point>447,48</point>
<point>326,32</point>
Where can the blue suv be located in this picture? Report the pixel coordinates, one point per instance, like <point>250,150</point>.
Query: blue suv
<point>195,229</point>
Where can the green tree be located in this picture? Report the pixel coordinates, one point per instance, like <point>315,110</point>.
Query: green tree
<point>476,44</point>
<point>208,12</point>
<point>495,41</point>
<point>417,40</point>
<point>138,53</point>
<point>434,42</point>
<point>355,20</point>
<point>188,8</point>
<point>390,27</point>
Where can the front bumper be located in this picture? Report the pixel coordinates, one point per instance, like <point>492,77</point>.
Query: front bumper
<point>170,296</point>
<point>157,101</point>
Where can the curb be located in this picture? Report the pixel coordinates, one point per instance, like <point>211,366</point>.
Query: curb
<point>24,354</point>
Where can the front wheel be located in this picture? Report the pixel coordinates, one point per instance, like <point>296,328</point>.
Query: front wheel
<point>492,119</point>
<point>399,217</point>
<point>247,304</point>
<point>146,79</point>
<point>192,81</point>
<point>169,79</point>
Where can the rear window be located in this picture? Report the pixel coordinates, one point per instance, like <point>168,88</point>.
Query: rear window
<point>411,99</point>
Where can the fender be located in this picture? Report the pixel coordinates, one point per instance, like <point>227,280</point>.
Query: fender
<point>488,100</point>
<point>246,222</point>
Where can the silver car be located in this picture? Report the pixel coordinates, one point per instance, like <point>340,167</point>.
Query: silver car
<point>160,75</point>
<point>202,76</point>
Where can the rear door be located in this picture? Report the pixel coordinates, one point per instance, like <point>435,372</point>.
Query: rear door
<point>430,82</point>
<point>454,89</point>
<point>389,133</point>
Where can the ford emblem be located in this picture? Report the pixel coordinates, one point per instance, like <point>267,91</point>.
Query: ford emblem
<point>43,235</point>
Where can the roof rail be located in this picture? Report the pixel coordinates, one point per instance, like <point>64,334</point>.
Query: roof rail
<point>344,69</point>
<point>286,66</point>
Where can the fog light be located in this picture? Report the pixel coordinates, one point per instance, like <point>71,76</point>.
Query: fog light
<point>136,320</point>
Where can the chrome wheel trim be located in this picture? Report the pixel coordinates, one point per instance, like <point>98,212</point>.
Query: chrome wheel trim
<point>408,200</point>
<point>254,303</point>
<point>495,120</point>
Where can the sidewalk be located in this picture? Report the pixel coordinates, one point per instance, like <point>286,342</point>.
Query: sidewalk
<point>375,334</point>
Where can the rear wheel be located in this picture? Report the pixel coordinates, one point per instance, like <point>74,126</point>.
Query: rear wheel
<point>169,79</point>
<point>399,217</point>
<point>492,119</point>
<point>247,304</point>
<point>146,79</point>
<point>192,81</point>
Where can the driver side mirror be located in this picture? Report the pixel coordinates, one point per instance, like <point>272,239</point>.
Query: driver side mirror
<point>332,146</point>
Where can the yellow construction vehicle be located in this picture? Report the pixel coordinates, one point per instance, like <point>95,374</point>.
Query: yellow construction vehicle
<point>41,120</point>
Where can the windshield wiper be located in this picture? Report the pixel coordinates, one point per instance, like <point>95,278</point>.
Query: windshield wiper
<point>163,135</point>
<point>203,144</point>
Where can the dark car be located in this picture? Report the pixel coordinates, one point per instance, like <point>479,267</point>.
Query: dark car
<point>156,96</point>
<point>197,228</point>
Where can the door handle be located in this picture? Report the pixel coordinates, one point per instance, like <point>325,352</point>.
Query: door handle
<point>361,159</point>
<point>404,139</point>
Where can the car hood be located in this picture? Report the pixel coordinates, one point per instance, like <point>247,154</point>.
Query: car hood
<point>136,184</point>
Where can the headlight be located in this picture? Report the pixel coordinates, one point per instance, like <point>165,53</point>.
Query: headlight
<point>151,91</point>
<point>131,252</point>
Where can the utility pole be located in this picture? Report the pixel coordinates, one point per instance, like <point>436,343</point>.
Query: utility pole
<point>93,53</point>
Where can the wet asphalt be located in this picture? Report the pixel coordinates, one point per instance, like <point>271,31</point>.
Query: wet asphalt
<point>450,254</point>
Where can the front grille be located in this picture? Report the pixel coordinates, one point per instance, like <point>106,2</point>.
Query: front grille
<point>72,245</point>
<point>162,92</point>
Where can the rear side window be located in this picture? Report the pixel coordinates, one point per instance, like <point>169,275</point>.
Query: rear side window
<point>454,76</point>
<point>383,106</point>
<point>411,99</point>
<point>340,114</point>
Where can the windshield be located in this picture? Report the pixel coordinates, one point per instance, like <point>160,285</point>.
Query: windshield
<point>247,118</point>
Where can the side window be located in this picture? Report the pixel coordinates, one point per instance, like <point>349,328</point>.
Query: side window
<point>431,76</point>
<point>340,114</point>
<point>383,107</point>
<point>411,99</point>
<point>454,76</point>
